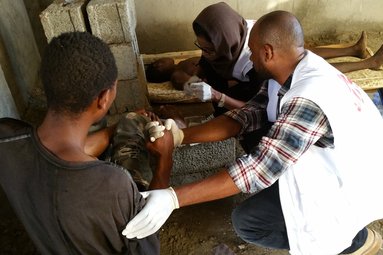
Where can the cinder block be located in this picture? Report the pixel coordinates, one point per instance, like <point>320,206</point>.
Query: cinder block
<point>59,17</point>
<point>194,162</point>
<point>126,60</point>
<point>113,21</point>
<point>130,97</point>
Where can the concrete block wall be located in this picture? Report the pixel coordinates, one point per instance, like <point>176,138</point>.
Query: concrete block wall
<point>114,22</point>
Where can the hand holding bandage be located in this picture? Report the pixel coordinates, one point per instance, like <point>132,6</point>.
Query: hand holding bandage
<point>201,90</point>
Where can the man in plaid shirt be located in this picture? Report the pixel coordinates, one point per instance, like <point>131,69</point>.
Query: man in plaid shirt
<point>314,176</point>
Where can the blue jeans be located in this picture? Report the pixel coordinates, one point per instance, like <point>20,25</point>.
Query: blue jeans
<point>259,220</point>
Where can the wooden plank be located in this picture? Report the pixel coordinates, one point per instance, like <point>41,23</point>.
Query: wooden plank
<point>177,56</point>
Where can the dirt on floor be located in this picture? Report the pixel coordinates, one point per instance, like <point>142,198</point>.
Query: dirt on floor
<point>203,229</point>
<point>200,229</point>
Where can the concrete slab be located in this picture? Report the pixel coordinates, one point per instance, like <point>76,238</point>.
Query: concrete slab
<point>195,162</point>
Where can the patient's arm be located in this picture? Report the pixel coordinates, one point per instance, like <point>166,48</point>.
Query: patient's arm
<point>179,78</point>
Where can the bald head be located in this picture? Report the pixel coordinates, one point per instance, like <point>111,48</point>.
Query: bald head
<point>280,29</point>
<point>277,45</point>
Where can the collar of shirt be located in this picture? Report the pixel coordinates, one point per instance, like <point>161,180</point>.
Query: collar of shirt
<point>285,87</point>
<point>282,91</point>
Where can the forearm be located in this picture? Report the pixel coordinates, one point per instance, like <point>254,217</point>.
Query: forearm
<point>217,129</point>
<point>161,175</point>
<point>217,186</point>
<point>228,102</point>
<point>162,150</point>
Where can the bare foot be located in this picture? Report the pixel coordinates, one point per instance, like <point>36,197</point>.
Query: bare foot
<point>360,47</point>
<point>377,59</point>
<point>170,111</point>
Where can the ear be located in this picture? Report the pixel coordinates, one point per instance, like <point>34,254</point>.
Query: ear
<point>268,52</point>
<point>106,97</point>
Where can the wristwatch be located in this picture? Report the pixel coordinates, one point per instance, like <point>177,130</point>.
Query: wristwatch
<point>221,102</point>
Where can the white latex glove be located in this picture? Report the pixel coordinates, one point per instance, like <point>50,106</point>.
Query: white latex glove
<point>160,204</point>
<point>156,131</point>
<point>178,134</point>
<point>201,90</point>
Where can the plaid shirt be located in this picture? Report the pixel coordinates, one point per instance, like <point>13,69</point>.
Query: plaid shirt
<point>299,125</point>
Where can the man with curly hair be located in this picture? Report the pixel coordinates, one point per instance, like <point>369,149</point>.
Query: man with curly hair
<point>69,201</point>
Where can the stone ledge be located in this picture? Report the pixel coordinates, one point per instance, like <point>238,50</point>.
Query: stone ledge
<point>193,162</point>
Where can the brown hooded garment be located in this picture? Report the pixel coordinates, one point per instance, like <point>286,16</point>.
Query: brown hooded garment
<point>227,31</point>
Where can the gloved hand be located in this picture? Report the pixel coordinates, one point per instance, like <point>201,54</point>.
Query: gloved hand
<point>156,131</point>
<point>201,90</point>
<point>160,204</point>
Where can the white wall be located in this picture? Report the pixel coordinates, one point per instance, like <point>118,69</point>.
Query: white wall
<point>7,104</point>
<point>19,47</point>
<point>165,25</point>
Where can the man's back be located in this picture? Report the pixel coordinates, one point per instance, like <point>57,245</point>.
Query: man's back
<point>68,207</point>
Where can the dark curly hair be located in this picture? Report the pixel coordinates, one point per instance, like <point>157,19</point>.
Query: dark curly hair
<point>75,69</point>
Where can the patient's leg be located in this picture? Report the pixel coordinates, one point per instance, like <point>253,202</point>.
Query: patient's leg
<point>374,63</point>
<point>359,49</point>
